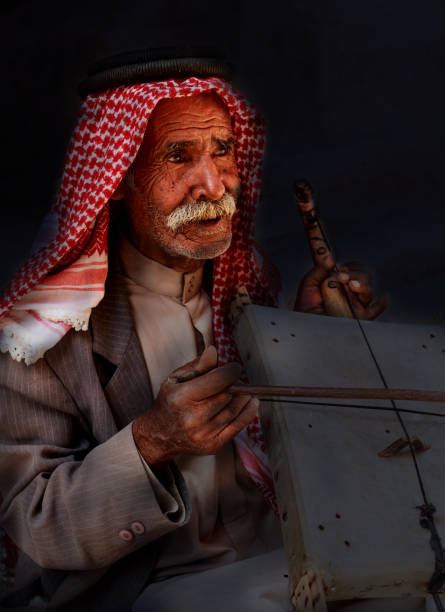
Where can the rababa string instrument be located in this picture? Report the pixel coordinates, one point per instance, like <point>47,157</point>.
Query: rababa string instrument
<point>265,354</point>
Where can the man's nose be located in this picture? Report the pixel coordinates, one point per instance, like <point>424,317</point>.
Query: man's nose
<point>207,183</point>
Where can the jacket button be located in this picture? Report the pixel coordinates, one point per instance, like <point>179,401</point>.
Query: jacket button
<point>138,528</point>
<point>126,535</point>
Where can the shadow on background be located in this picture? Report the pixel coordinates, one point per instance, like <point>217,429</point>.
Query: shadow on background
<point>351,92</point>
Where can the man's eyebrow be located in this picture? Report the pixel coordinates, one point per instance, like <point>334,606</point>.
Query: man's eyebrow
<point>176,145</point>
<point>179,145</point>
<point>227,142</point>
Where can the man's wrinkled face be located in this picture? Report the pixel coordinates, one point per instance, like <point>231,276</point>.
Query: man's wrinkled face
<point>180,193</point>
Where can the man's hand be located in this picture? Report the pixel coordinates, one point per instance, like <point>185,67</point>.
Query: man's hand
<point>193,413</point>
<point>355,280</point>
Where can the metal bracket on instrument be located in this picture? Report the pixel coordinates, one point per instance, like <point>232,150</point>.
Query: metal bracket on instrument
<point>394,449</point>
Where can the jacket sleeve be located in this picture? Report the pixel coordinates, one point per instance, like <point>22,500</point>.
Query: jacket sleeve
<point>67,502</point>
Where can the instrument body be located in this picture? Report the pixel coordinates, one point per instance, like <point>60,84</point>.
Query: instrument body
<point>348,513</point>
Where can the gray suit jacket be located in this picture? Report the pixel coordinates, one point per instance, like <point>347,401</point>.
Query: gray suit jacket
<point>71,478</point>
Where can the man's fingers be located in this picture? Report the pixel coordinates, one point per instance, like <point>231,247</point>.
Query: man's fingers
<point>358,282</point>
<point>230,411</point>
<point>376,308</point>
<point>248,413</point>
<point>327,263</point>
<point>208,384</point>
<point>370,311</point>
<point>210,407</point>
<point>358,288</point>
<point>321,270</point>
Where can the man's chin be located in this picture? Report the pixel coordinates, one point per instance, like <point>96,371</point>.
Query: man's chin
<point>199,251</point>
<point>200,240</point>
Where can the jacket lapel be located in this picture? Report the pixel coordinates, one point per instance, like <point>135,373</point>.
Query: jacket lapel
<point>110,385</point>
<point>118,353</point>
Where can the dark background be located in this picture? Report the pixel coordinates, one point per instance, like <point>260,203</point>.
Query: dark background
<point>351,90</point>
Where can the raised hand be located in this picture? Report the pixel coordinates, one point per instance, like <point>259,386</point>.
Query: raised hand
<point>355,279</point>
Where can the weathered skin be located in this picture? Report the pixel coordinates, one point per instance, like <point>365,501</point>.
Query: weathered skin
<point>188,154</point>
<point>195,417</point>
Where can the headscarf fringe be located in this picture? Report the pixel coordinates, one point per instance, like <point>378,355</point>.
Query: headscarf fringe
<point>20,344</point>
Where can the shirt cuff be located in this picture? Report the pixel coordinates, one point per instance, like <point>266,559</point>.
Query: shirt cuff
<point>170,490</point>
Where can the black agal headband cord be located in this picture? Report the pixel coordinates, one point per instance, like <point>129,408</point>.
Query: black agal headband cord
<point>147,65</point>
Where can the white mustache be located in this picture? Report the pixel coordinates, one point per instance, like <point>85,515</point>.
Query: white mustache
<point>200,210</point>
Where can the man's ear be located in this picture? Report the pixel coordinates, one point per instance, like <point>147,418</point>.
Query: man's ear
<point>119,192</point>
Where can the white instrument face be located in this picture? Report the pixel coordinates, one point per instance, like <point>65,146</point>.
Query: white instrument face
<point>347,512</point>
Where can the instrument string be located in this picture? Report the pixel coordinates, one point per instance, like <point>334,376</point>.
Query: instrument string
<point>357,406</point>
<point>427,509</point>
<point>380,372</point>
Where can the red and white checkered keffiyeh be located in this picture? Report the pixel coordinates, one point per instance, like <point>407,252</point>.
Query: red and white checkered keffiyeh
<point>64,278</point>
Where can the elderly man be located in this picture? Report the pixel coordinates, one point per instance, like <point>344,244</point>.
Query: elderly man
<point>128,469</point>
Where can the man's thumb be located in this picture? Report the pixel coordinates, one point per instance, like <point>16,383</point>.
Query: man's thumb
<point>205,362</point>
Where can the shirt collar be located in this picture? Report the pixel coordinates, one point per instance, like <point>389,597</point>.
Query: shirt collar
<point>156,277</point>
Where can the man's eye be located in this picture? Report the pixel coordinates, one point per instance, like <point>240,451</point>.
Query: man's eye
<point>176,158</point>
<point>222,150</point>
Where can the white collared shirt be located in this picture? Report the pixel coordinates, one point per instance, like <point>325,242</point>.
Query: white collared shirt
<point>229,517</point>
